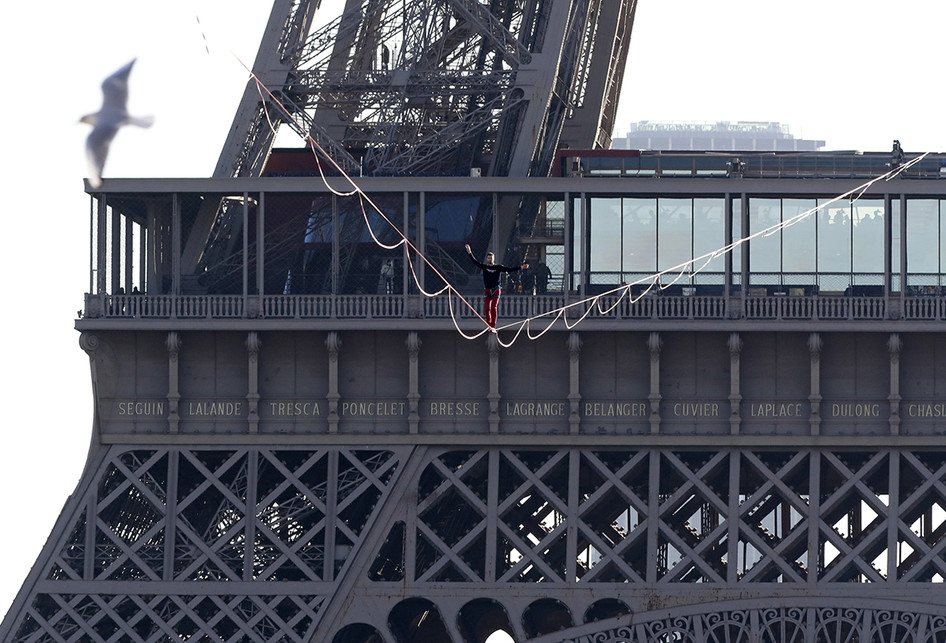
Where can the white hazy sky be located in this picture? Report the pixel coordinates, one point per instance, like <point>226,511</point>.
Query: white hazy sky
<point>856,73</point>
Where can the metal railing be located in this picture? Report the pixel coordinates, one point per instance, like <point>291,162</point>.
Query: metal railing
<point>514,306</point>
<point>746,164</point>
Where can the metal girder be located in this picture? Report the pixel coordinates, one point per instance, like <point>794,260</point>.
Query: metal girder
<point>595,93</point>
<point>247,146</point>
<point>386,74</point>
<point>510,48</point>
<point>300,543</point>
<point>430,87</point>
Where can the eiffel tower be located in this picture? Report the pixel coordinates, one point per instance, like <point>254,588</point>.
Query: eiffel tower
<point>288,447</point>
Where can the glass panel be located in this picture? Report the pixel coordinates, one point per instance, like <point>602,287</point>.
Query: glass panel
<point>922,240</point>
<point>605,235</point>
<point>834,239</point>
<point>640,235</point>
<point>764,252</point>
<point>674,232</point>
<point>798,238</point>
<point>867,216</point>
<point>708,236</point>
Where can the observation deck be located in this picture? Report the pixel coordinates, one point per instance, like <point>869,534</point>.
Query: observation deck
<point>287,252</point>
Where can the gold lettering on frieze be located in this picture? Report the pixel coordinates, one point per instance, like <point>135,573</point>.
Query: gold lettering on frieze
<point>614,409</point>
<point>855,409</point>
<point>372,409</point>
<point>294,409</point>
<point>926,410</point>
<point>535,409</point>
<point>775,409</point>
<point>215,408</point>
<point>141,408</point>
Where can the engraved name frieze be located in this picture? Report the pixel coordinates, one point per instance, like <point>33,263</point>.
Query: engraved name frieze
<point>694,409</point>
<point>372,408</point>
<point>454,408</point>
<point>140,408</point>
<point>534,409</point>
<point>855,409</point>
<point>215,408</point>
<point>926,409</point>
<point>614,409</point>
<point>521,408</point>
<point>289,408</point>
<point>775,409</point>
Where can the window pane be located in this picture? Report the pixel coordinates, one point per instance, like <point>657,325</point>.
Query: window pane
<point>922,239</point>
<point>640,235</point>
<point>708,236</point>
<point>834,241</point>
<point>764,252</point>
<point>605,235</point>
<point>798,238</point>
<point>674,232</point>
<point>867,217</point>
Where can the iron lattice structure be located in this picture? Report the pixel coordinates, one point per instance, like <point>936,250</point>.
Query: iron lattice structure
<point>425,88</point>
<point>438,544</point>
<point>437,87</point>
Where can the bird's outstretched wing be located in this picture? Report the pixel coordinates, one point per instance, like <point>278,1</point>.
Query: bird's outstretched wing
<point>107,121</point>
<point>115,88</point>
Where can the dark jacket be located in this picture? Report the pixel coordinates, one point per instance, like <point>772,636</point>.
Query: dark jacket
<point>491,273</point>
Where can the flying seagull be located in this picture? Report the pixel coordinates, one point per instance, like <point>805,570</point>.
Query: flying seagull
<point>106,122</point>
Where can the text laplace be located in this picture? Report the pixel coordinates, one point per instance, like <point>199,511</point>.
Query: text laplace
<point>774,409</point>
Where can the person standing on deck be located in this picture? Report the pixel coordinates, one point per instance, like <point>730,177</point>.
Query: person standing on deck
<point>491,289</point>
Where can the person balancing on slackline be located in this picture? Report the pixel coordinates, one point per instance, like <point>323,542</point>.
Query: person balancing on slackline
<point>491,289</point>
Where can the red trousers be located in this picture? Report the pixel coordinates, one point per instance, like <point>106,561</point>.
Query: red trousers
<point>491,305</point>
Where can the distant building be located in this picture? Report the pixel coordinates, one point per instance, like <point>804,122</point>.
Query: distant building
<point>721,135</point>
